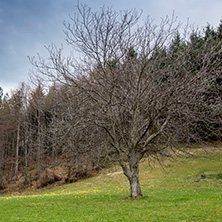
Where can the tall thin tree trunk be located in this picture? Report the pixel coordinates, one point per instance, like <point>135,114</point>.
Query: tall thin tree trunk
<point>26,161</point>
<point>54,151</point>
<point>78,164</point>
<point>1,173</point>
<point>39,148</point>
<point>17,152</point>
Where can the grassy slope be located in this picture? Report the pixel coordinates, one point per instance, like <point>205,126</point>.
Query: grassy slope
<point>170,195</point>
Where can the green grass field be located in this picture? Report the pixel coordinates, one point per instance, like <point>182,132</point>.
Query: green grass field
<point>188,190</point>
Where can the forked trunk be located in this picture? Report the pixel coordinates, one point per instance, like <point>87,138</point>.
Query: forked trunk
<point>131,171</point>
<point>132,174</point>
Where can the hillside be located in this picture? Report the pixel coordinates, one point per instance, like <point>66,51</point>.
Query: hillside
<point>187,190</point>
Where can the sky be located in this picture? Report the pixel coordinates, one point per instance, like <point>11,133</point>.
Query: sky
<point>27,26</point>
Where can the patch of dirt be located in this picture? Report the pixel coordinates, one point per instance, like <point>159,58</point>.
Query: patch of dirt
<point>47,178</point>
<point>116,173</point>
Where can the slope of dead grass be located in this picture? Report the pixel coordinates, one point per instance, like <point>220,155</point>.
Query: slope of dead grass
<point>172,194</point>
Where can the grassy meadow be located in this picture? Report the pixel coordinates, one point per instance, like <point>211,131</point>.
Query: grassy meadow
<point>185,190</point>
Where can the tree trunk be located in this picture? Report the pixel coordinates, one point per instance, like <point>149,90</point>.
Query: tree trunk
<point>1,173</point>
<point>78,165</point>
<point>132,174</point>
<point>39,146</point>
<point>17,152</point>
<point>135,186</point>
<point>26,162</point>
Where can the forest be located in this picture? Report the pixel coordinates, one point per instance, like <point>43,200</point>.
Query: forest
<point>138,90</point>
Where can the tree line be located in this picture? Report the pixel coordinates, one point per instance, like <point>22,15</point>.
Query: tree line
<point>135,90</point>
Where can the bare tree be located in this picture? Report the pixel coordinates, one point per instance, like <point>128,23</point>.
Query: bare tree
<point>139,100</point>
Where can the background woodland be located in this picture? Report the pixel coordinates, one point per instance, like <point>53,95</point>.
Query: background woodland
<point>65,127</point>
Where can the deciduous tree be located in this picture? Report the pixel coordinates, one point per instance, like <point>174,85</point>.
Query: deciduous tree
<point>141,107</point>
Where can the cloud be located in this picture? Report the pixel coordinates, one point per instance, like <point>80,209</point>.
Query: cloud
<point>26,26</point>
